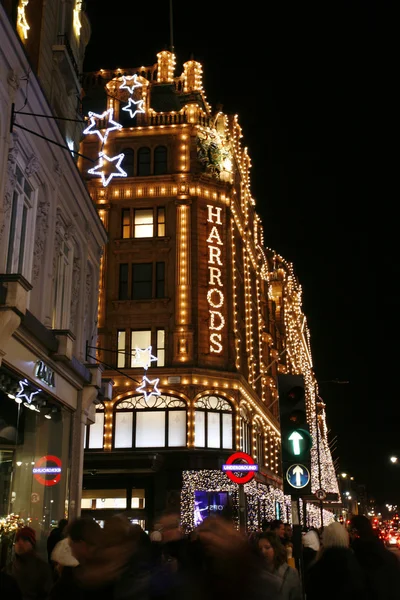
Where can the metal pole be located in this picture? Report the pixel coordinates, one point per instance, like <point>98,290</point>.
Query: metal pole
<point>321,506</point>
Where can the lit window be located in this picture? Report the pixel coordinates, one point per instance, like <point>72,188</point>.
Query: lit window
<point>139,339</point>
<point>160,348</point>
<point>121,340</point>
<point>126,223</point>
<point>158,422</point>
<point>94,436</point>
<point>143,222</point>
<point>160,221</point>
<point>213,423</point>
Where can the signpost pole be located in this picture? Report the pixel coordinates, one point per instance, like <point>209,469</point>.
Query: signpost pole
<point>298,540</point>
<point>242,509</point>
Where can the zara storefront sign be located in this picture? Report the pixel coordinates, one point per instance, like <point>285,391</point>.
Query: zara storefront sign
<point>215,295</point>
<point>43,372</point>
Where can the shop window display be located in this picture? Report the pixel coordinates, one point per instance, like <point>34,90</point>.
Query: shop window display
<point>34,463</point>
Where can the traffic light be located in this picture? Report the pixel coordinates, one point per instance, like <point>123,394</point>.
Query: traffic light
<point>296,440</point>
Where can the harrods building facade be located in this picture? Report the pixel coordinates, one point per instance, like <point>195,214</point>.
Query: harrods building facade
<point>193,310</point>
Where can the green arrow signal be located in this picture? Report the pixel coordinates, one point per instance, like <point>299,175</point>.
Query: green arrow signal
<point>295,437</point>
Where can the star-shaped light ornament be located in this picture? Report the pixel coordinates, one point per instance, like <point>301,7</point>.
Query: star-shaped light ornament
<point>22,393</point>
<point>105,168</point>
<point>143,358</point>
<point>94,118</point>
<point>146,385</point>
<point>134,111</point>
<point>130,88</point>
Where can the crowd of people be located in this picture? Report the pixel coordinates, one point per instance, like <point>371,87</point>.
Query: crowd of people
<point>215,562</point>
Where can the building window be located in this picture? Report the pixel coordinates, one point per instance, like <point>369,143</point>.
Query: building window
<point>123,282</point>
<point>160,160</point>
<point>213,423</point>
<point>143,222</point>
<point>144,162</point>
<point>142,281</point>
<point>139,339</point>
<point>128,163</point>
<point>94,437</point>
<point>126,223</point>
<point>21,225</point>
<point>160,221</point>
<point>160,280</point>
<point>259,442</point>
<point>63,281</point>
<point>156,423</point>
<point>160,348</point>
<point>245,430</point>
<point>144,287</point>
<point>121,351</point>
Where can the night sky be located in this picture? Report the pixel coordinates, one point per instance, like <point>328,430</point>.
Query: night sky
<point>314,92</point>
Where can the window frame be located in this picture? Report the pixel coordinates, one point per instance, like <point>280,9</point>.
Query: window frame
<point>128,356</point>
<point>206,411</point>
<point>21,230</point>
<point>166,410</point>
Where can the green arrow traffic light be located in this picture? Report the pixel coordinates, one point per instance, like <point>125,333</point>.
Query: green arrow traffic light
<point>295,439</point>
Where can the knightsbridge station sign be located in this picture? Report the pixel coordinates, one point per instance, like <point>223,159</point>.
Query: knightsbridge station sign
<point>215,295</point>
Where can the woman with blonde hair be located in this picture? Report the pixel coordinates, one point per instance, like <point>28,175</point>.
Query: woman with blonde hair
<point>336,572</point>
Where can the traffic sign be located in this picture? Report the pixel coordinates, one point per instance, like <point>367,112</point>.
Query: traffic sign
<point>320,494</point>
<point>246,465</point>
<point>298,476</point>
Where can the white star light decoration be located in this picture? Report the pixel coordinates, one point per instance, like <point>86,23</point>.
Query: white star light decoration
<point>23,394</point>
<point>93,122</point>
<point>143,358</point>
<point>134,111</point>
<point>144,386</point>
<point>102,166</point>
<point>130,88</point>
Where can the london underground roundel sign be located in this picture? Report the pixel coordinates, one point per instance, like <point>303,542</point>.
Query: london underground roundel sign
<point>47,465</point>
<point>240,462</point>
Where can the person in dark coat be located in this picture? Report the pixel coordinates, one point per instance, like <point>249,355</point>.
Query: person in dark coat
<point>9,589</point>
<point>32,574</point>
<point>381,567</point>
<point>336,573</point>
<point>55,536</point>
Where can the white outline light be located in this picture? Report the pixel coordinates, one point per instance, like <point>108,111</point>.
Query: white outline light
<point>130,88</point>
<point>138,357</point>
<point>106,180</point>
<point>22,394</point>
<point>145,383</point>
<point>140,108</point>
<point>94,116</point>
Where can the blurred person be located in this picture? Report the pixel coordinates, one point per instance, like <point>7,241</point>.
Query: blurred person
<point>380,566</point>
<point>55,536</point>
<point>9,589</point>
<point>265,525</point>
<point>32,574</point>
<point>336,573</point>
<point>64,587</point>
<point>274,554</point>
<point>311,546</point>
<point>278,527</point>
<point>84,536</point>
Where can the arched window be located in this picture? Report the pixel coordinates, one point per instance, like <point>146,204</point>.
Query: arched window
<point>94,434</point>
<point>245,430</point>
<point>213,423</point>
<point>144,161</point>
<point>160,160</point>
<point>259,441</point>
<point>128,164</point>
<point>158,422</point>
